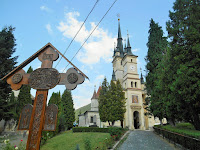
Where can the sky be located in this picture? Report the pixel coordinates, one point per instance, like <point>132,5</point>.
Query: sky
<point>57,21</point>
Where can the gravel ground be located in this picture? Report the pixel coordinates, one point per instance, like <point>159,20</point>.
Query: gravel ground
<point>145,140</point>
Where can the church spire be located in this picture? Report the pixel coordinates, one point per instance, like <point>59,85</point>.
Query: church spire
<point>113,76</point>
<point>141,78</point>
<point>129,52</point>
<point>119,41</point>
<point>94,94</point>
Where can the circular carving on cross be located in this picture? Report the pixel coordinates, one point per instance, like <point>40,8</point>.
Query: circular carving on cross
<point>17,78</point>
<point>44,78</point>
<point>72,78</point>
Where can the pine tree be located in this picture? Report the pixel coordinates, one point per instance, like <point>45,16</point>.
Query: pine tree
<point>184,32</point>
<point>7,63</point>
<point>24,96</point>
<point>157,46</point>
<point>104,103</point>
<point>68,109</point>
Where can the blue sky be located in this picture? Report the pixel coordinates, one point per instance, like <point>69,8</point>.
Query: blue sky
<point>57,21</point>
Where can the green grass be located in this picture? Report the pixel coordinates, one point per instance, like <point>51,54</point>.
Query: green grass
<point>68,140</point>
<point>83,110</point>
<point>183,128</point>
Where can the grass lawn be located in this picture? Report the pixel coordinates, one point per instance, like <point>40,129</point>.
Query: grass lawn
<point>68,140</point>
<point>183,128</point>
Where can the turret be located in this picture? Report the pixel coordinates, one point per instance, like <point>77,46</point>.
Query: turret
<point>94,102</point>
<point>129,52</point>
<point>119,42</point>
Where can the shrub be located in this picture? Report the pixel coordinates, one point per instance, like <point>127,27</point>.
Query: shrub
<point>90,129</point>
<point>115,131</point>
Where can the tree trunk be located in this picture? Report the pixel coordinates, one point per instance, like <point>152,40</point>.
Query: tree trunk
<point>161,123</point>
<point>113,122</point>
<point>122,123</point>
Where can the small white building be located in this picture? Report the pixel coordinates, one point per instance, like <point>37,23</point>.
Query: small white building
<point>91,117</point>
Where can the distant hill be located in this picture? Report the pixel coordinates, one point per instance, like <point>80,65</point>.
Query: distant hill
<point>82,109</point>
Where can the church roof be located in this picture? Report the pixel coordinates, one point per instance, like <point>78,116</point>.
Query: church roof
<point>119,42</point>
<point>94,95</point>
<point>98,92</point>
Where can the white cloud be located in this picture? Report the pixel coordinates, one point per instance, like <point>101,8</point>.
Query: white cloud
<point>99,46</point>
<point>45,8</point>
<point>49,29</point>
<point>135,50</point>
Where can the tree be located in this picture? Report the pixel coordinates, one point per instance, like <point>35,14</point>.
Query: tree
<point>24,96</point>
<point>121,101</point>
<point>7,63</point>
<point>104,103</point>
<point>68,109</point>
<point>111,102</point>
<point>157,47</point>
<point>184,31</point>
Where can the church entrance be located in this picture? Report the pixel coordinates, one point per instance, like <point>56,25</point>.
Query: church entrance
<point>136,120</point>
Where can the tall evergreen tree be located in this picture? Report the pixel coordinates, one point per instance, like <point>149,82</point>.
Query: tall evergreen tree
<point>184,32</point>
<point>7,63</point>
<point>121,101</point>
<point>24,96</point>
<point>104,103</point>
<point>157,46</point>
<point>68,109</point>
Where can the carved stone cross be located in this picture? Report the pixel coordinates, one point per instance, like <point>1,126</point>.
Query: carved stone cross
<point>40,117</point>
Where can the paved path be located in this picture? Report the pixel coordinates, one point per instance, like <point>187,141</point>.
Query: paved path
<point>145,140</point>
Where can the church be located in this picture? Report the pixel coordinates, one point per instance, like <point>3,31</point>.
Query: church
<point>125,70</point>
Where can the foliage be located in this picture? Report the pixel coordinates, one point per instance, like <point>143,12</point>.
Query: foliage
<point>90,129</point>
<point>68,109</point>
<point>104,103</point>
<point>157,45</point>
<point>111,102</point>
<point>7,63</point>
<point>184,32</point>
<point>24,97</point>
<point>115,131</point>
<point>182,128</point>
<point>69,140</point>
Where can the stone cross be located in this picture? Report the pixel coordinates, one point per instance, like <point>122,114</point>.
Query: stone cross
<point>40,117</point>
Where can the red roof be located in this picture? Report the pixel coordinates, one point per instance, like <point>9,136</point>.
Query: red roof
<point>98,92</point>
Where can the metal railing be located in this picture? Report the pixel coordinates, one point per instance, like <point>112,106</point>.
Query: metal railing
<point>175,138</point>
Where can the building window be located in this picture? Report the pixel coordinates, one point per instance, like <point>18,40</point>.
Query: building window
<point>91,120</point>
<point>131,60</point>
<point>135,84</point>
<point>134,99</point>
<point>131,84</point>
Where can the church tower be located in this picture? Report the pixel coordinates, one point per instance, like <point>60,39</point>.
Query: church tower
<point>118,56</point>
<point>125,70</point>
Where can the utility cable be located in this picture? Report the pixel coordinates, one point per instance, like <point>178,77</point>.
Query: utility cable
<point>92,32</point>
<point>77,32</point>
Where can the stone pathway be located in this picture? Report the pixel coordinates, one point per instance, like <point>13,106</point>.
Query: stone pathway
<point>145,140</point>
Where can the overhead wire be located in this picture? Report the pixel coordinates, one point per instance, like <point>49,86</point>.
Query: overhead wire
<point>77,32</point>
<point>91,32</point>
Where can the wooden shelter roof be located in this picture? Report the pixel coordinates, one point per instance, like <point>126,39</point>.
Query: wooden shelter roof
<point>27,61</point>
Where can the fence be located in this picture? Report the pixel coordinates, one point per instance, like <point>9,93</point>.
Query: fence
<point>185,141</point>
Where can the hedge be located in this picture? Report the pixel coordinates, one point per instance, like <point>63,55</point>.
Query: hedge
<point>90,129</point>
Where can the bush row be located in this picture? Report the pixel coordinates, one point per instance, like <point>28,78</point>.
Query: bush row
<point>90,129</point>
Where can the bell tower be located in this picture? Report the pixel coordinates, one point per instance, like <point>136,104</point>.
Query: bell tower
<point>118,56</point>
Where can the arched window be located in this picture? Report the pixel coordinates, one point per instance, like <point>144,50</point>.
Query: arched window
<point>131,84</point>
<point>135,84</point>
